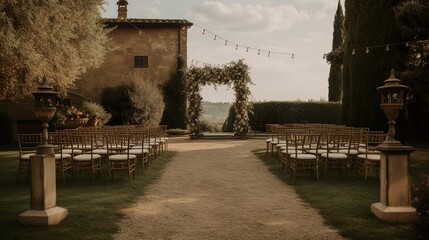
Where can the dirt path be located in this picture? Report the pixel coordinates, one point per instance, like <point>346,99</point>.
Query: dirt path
<point>215,189</point>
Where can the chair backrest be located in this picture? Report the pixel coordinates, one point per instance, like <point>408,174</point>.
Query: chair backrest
<point>28,143</point>
<point>118,143</point>
<point>306,142</point>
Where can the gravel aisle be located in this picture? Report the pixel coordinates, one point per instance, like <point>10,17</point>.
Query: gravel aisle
<point>217,189</point>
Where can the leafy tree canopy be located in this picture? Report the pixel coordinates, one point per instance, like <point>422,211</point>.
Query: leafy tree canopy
<point>52,40</point>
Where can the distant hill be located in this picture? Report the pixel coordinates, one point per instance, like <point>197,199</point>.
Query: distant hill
<point>215,112</point>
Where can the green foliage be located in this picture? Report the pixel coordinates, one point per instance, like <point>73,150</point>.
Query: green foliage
<point>116,100</point>
<point>368,23</point>
<point>336,57</point>
<point>177,131</point>
<point>290,112</point>
<point>6,129</point>
<point>174,92</point>
<point>133,103</point>
<point>413,17</point>
<point>234,73</point>
<point>58,40</point>
<point>96,112</point>
<point>420,201</point>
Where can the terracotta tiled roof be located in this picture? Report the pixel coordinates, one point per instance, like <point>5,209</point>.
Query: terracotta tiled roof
<point>145,21</point>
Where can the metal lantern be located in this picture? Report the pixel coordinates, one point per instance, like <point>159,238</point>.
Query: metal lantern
<point>45,106</point>
<point>392,101</point>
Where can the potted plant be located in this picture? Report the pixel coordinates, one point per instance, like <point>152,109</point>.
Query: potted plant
<point>69,117</point>
<point>96,113</point>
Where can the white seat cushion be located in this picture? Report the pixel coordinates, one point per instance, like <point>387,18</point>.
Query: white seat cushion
<point>319,151</point>
<point>72,151</point>
<point>65,155</point>
<point>86,157</point>
<point>138,151</point>
<point>303,156</point>
<point>101,151</point>
<point>292,151</point>
<point>372,157</point>
<point>121,157</point>
<point>27,156</point>
<point>334,155</point>
<point>352,151</point>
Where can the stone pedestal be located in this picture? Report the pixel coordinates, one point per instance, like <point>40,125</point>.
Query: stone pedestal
<point>395,185</point>
<point>43,193</point>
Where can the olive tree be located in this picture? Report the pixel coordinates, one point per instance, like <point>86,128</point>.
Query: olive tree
<point>48,41</point>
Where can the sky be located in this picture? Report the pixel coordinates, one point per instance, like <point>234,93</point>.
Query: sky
<point>303,28</point>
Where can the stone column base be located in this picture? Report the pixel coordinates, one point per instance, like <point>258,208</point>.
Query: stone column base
<point>394,214</point>
<point>51,216</point>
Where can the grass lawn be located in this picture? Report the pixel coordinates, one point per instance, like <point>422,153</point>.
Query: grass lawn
<point>345,203</point>
<point>93,209</point>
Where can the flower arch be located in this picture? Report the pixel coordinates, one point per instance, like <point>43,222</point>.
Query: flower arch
<point>234,73</point>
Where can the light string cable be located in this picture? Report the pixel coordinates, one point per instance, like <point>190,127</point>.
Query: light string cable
<point>236,45</point>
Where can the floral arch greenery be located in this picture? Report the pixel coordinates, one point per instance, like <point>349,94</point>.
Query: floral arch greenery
<point>234,73</point>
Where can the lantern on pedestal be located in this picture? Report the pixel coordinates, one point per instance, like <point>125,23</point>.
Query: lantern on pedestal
<point>394,205</point>
<point>45,100</point>
<point>392,101</point>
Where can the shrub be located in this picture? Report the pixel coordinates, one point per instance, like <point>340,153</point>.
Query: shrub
<point>290,112</point>
<point>420,201</point>
<point>5,128</point>
<point>117,101</point>
<point>96,112</point>
<point>177,131</point>
<point>148,102</point>
<point>135,102</point>
<point>209,126</point>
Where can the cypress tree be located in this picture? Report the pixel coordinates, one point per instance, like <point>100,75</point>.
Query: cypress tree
<point>174,92</point>
<point>336,71</point>
<point>368,24</point>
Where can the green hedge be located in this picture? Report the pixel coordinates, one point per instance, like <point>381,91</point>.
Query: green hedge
<point>289,112</point>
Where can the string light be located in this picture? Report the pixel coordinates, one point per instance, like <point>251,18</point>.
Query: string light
<point>236,47</point>
<point>269,53</point>
<point>293,55</point>
<point>204,31</point>
<point>324,56</point>
<point>367,50</point>
<point>407,44</point>
<point>226,42</point>
<point>387,47</point>
<point>247,50</point>
<point>215,37</point>
<point>259,52</point>
<point>353,51</point>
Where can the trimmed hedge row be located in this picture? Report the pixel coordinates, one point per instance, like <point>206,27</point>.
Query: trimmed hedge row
<point>289,112</point>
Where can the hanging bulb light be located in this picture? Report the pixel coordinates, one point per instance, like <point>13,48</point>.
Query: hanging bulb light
<point>387,47</point>
<point>367,50</point>
<point>204,31</point>
<point>353,51</point>
<point>226,42</point>
<point>407,44</point>
<point>247,49</point>
<point>269,53</point>
<point>259,52</point>
<point>293,55</point>
<point>324,56</point>
<point>236,47</point>
<point>215,37</point>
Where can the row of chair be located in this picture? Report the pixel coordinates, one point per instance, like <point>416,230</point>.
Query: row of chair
<point>122,148</point>
<point>323,147</point>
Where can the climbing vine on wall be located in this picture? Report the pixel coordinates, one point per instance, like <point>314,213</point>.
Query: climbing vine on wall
<point>235,74</point>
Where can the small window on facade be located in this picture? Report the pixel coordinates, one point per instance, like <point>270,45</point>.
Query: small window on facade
<point>141,62</point>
